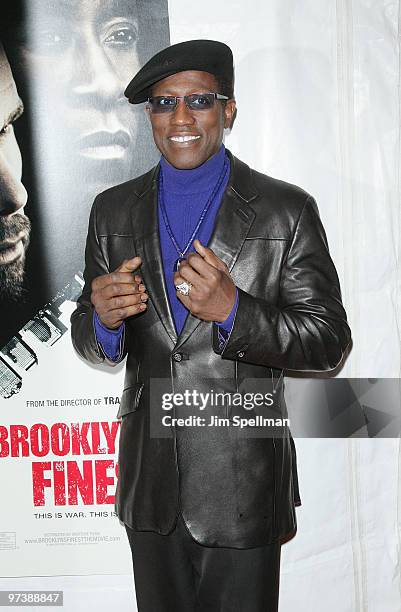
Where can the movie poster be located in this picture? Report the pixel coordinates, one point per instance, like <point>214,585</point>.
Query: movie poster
<point>67,133</point>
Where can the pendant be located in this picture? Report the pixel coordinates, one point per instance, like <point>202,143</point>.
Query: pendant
<point>177,263</point>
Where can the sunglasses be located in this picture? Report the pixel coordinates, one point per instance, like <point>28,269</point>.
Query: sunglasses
<point>195,102</point>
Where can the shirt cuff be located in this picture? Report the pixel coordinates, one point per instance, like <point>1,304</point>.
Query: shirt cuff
<point>225,327</point>
<point>109,339</point>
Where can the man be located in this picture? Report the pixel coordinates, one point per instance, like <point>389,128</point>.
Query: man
<point>206,507</point>
<point>14,225</point>
<point>74,58</point>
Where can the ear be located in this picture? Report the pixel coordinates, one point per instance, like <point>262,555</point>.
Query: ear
<point>147,111</point>
<point>230,108</point>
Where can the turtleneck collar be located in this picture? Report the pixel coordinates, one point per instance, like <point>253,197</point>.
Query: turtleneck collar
<point>195,180</point>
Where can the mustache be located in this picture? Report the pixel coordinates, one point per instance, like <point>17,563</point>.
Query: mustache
<point>13,225</point>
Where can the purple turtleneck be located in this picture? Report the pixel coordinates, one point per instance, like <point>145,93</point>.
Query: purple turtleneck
<point>186,193</point>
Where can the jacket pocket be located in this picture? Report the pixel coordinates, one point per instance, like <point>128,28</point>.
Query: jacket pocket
<point>130,400</point>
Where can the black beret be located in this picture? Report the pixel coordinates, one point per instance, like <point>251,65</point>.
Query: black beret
<point>205,55</point>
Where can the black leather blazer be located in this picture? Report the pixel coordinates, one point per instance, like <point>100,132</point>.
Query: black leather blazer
<point>232,489</point>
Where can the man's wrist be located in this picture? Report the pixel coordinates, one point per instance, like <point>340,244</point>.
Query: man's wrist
<point>227,323</point>
<point>110,341</point>
<point>115,330</point>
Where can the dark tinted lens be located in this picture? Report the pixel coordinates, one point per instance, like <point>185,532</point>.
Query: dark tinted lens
<point>200,101</point>
<point>165,104</point>
<point>162,104</point>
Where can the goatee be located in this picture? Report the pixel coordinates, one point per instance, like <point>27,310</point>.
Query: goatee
<point>12,274</point>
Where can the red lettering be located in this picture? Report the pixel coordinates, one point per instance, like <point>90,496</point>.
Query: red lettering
<point>4,445</point>
<point>95,430</point>
<point>78,482</point>
<point>110,435</point>
<point>59,483</point>
<point>39,482</point>
<point>79,440</point>
<point>39,435</point>
<point>103,481</point>
<point>60,439</point>
<point>19,441</point>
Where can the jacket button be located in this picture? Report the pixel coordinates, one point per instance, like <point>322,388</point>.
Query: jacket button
<point>177,356</point>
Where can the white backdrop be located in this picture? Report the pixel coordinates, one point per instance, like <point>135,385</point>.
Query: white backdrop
<point>318,92</point>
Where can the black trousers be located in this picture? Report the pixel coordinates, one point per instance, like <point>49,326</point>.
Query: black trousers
<point>174,573</point>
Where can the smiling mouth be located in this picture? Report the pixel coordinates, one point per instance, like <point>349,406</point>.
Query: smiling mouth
<point>183,139</point>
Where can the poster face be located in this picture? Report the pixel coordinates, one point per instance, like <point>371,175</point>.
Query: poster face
<point>78,135</point>
<point>67,133</point>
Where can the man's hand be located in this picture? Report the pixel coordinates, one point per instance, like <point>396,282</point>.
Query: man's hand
<point>212,295</point>
<point>120,294</point>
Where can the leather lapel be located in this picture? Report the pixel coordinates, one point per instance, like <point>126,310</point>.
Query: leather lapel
<point>233,222</point>
<point>145,227</point>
